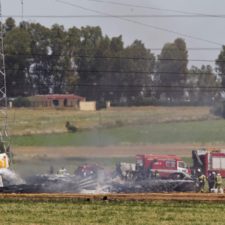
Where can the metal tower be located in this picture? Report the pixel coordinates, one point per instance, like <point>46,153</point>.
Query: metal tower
<point>4,138</point>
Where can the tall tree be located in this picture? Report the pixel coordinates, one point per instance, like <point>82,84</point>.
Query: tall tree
<point>202,82</point>
<point>88,62</point>
<point>138,66</point>
<point>172,67</point>
<point>38,69</point>
<point>220,62</point>
<point>9,24</point>
<point>111,79</point>
<point>72,48</point>
<point>17,49</point>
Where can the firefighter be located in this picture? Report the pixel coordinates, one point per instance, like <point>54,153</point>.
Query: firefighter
<point>219,182</point>
<point>51,170</point>
<point>62,171</point>
<point>156,175</point>
<point>202,182</point>
<point>150,175</point>
<point>212,181</point>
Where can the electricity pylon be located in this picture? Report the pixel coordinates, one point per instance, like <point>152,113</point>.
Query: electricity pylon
<point>4,137</point>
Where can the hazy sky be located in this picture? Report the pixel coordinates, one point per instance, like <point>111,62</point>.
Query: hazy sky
<point>151,30</point>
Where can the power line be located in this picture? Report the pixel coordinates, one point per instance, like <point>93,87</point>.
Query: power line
<point>120,16</point>
<point>130,88</point>
<point>36,70</point>
<point>117,57</point>
<point>149,86</point>
<point>140,23</point>
<point>153,49</point>
<point>145,7</point>
<point>190,49</point>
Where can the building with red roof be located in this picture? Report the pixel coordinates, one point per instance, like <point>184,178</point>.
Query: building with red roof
<point>56,100</point>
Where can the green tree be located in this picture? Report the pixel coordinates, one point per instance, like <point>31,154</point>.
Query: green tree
<point>17,48</point>
<point>220,62</point>
<point>72,49</point>
<point>110,82</point>
<point>172,68</point>
<point>138,67</point>
<point>39,76</point>
<point>10,24</point>
<point>88,63</point>
<point>202,82</point>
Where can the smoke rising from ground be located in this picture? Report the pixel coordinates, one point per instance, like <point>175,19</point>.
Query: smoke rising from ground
<point>100,184</point>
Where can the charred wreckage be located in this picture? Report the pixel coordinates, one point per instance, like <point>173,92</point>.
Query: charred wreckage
<point>149,173</point>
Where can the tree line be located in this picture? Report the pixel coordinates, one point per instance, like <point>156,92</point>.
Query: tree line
<point>42,60</point>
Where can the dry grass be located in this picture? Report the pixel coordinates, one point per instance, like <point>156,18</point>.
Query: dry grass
<point>45,120</point>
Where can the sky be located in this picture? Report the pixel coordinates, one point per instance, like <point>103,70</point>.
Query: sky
<point>198,31</point>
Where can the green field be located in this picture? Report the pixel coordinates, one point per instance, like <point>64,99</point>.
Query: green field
<point>116,126</point>
<point>200,132</point>
<point>72,212</point>
<point>48,120</point>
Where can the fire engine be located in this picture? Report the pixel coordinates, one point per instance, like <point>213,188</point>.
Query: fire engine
<point>209,160</point>
<point>164,165</point>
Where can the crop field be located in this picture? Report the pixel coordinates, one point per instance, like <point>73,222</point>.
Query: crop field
<point>117,126</point>
<point>199,132</point>
<point>47,120</point>
<point>65,211</point>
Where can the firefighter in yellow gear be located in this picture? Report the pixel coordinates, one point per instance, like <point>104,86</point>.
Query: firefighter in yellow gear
<point>157,175</point>
<point>202,181</point>
<point>219,182</point>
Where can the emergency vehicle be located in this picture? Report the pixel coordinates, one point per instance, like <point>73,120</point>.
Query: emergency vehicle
<point>164,165</point>
<point>209,160</point>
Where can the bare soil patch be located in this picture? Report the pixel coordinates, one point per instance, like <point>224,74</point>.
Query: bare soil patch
<point>183,150</point>
<point>120,197</point>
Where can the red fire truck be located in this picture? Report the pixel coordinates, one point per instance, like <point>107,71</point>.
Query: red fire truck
<point>164,165</point>
<point>209,160</point>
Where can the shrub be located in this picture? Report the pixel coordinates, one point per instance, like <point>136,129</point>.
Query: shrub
<point>219,109</point>
<point>21,102</point>
<point>70,127</point>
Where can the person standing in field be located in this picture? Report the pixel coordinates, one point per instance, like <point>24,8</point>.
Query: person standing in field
<point>211,181</point>
<point>219,182</point>
<point>157,175</point>
<point>202,182</point>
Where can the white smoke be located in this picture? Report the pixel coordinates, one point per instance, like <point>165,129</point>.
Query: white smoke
<point>10,177</point>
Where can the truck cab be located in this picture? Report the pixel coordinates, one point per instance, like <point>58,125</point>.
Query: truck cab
<point>162,164</point>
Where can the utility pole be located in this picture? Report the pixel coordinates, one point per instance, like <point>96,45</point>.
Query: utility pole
<point>21,10</point>
<point>4,138</point>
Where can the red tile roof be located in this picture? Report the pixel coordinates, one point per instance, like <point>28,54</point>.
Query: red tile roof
<point>61,96</point>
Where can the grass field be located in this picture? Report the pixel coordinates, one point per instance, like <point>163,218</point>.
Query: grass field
<point>117,126</point>
<point>74,212</point>
<point>200,132</point>
<point>45,120</point>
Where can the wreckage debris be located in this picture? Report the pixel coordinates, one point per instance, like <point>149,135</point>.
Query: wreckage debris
<point>75,184</point>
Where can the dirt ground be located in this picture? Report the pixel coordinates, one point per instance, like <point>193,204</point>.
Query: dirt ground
<point>183,150</point>
<point>120,197</point>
